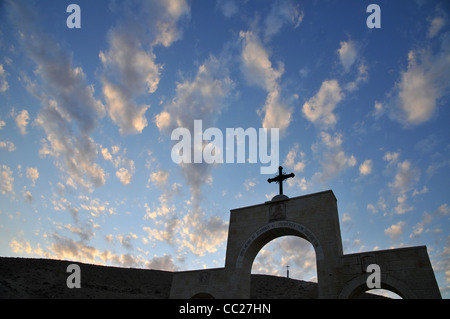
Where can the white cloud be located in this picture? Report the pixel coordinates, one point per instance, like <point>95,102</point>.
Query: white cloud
<point>319,109</point>
<point>391,157</point>
<point>436,24</point>
<point>348,54</point>
<point>28,197</point>
<point>422,85</point>
<point>396,230</point>
<point>281,13</point>
<point>4,86</point>
<point>129,68</point>
<point>372,208</point>
<point>69,111</point>
<point>405,178</point>
<point>202,98</point>
<point>258,71</point>
<point>346,218</point>
<point>227,7</point>
<point>32,174</point>
<point>291,157</point>
<point>366,167</point>
<point>331,156</point>
<point>124,175</point>
<point>6,181</point>
<point>164,262</point>
<point>249,184</point>
<point>8,145</point>
<point>22,121</point>
<point>159,178</point>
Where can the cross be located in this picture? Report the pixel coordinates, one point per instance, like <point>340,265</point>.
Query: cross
<point>280,178</point>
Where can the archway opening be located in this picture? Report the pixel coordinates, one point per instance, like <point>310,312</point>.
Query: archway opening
<point>272,261</point>
<point>379,293</point>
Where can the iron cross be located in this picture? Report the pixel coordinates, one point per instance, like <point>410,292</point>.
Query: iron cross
<point>280,178</point>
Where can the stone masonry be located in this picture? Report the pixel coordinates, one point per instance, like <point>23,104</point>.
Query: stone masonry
<point>314,217</point>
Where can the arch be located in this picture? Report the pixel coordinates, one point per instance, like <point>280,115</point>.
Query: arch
<point>358,285</point>
<point>271,231</point>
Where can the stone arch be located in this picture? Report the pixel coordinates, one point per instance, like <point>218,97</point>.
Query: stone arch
<point>358,285</point>
<point>269,232</point>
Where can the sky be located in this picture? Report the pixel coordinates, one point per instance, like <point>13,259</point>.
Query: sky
<point>87,116</point>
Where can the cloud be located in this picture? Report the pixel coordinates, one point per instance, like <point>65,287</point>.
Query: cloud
<point>124,176</point>
<point>405,178</point>
<point>129,68</point>
<point>164,262</point>
<point>291,157</point>
<point>258,71</point>
<point>296,252</point>
<point>422,85</point>
<point>391,157</point>
<point>348,54</point>
<point>395,231</point>
<point>22,121</point>
<point>331,156</point>
<point>436,24</point>
<point>32,174</point>
<point>227,7</point>
<point>125,167</point>
<point>319,109</point>
<point>69,110</point>
<point>281,13</point>
<point>202,98</point>
<point>427,218</point>
<point>159,178</point>
<point>8,145</point>
<point>365,168</point>
<point>6,181</point>
<point>203,235</point>
<point>4,86</point>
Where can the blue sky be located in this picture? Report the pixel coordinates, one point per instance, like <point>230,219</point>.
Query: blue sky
<point>86,117</point>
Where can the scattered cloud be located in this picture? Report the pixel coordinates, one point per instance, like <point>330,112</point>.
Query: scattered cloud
<point>8,145</point>
<point>281,13</point>
<point>331,156</point>
<point>320,108</point>
<point>6,181</point>
<point>22,120</point>
<point>228,8</point>
<point>436,24</point>
<point>348,54</point>
<point>422,85</point>
<point>258,71</point>
<point>290,161</point>
<point>421,227</point>
<point>32,174</point>
<point>4,86</point>
<point>405,178</point>
<point>203,98</point>
<point>159,178</point>
<point>67,101</point>
<point>395,231</point>
<point>129,67</point>
<point>365,168</point>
